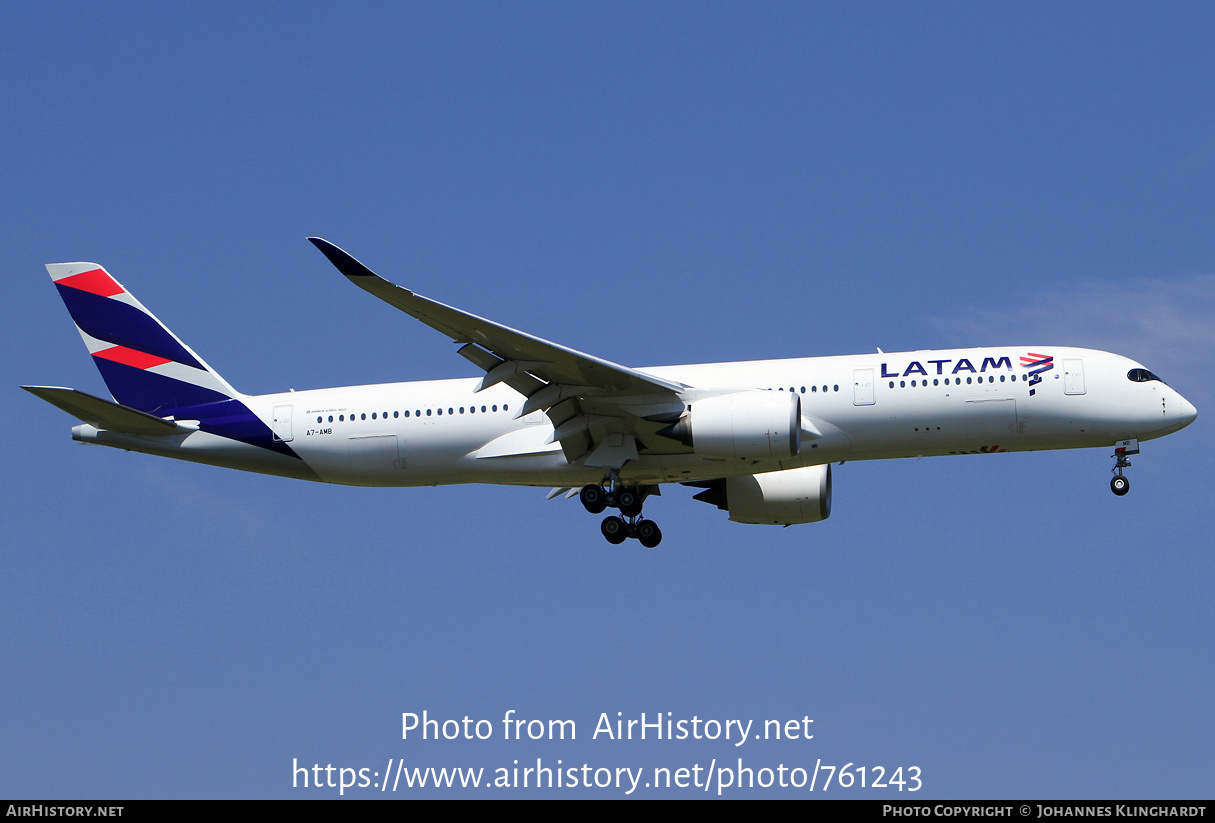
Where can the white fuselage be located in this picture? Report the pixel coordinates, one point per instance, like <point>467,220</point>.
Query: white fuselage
<point>858,407</point>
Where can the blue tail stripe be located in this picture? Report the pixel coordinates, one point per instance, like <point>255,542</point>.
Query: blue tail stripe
<point>151,392</point>
<point>232,419</point>
<point>124,325</point>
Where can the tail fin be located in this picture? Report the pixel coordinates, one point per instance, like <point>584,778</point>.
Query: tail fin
<point>144,365</point>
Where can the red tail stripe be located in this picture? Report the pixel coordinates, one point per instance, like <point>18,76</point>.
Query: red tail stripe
<point>94,282</point>
<point>131,357</point>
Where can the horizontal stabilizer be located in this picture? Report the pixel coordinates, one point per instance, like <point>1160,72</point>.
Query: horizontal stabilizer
<point>103,414</point>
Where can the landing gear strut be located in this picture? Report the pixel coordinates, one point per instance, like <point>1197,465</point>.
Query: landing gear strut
<point>628,499</point>
<point>1123,449</point>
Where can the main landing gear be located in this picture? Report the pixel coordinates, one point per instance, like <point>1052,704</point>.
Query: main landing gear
<point>1123,449</point>
<point>628,499</point>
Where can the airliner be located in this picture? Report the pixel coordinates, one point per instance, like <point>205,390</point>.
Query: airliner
<point>757,439</point>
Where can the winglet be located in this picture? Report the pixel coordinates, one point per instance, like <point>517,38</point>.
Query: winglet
<point>344,262</point>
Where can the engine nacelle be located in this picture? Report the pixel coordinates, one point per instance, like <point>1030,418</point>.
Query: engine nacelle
<point>750,425</point>
<point>780,498</point>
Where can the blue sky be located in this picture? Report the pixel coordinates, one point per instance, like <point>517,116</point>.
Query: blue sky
<point>681,183</point>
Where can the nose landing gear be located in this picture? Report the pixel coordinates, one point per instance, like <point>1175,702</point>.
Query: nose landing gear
<point>628,499</point>
<point>1120,485</point>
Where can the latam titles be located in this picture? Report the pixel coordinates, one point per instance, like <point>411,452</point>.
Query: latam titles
<point>960,365</point>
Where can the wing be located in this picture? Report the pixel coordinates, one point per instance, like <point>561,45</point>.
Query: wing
<point>600,411</point>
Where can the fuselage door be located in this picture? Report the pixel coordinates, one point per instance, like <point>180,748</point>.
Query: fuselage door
<point>375,460</point>
<point>282,423</point>
<point>862,387</point>
<point>1073,376</point>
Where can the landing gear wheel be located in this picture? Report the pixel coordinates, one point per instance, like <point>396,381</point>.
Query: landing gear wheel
<point>629,502</point>
<point>593,498</point>
<point>649,534</point>
<point>614,530</point>
<point>1120,485</point>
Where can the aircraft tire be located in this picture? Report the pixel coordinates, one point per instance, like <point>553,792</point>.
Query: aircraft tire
<point>629,502</point>
<point>1120,485</point>
<point>614,530</point>
<point>649,534</point>
<point>593,499</point>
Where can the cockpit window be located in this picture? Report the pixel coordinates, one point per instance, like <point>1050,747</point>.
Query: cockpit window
<point>1141,376</point>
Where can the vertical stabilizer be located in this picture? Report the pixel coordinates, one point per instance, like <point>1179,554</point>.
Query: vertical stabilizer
<point>144,365</point>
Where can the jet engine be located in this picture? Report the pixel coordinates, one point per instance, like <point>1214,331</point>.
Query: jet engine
<point>750,425</point>
<point>779,498</point>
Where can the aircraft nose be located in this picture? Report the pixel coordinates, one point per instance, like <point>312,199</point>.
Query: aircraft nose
<point>1187,414</point>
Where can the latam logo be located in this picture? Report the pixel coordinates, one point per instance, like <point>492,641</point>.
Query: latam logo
<point>1037,364</point>
<point>960,365</point>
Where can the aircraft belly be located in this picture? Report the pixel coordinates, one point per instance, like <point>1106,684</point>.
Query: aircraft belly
<point>328,457</point>
<point>371,459</point>
<point>377,460</point>
<point>990,421</point>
